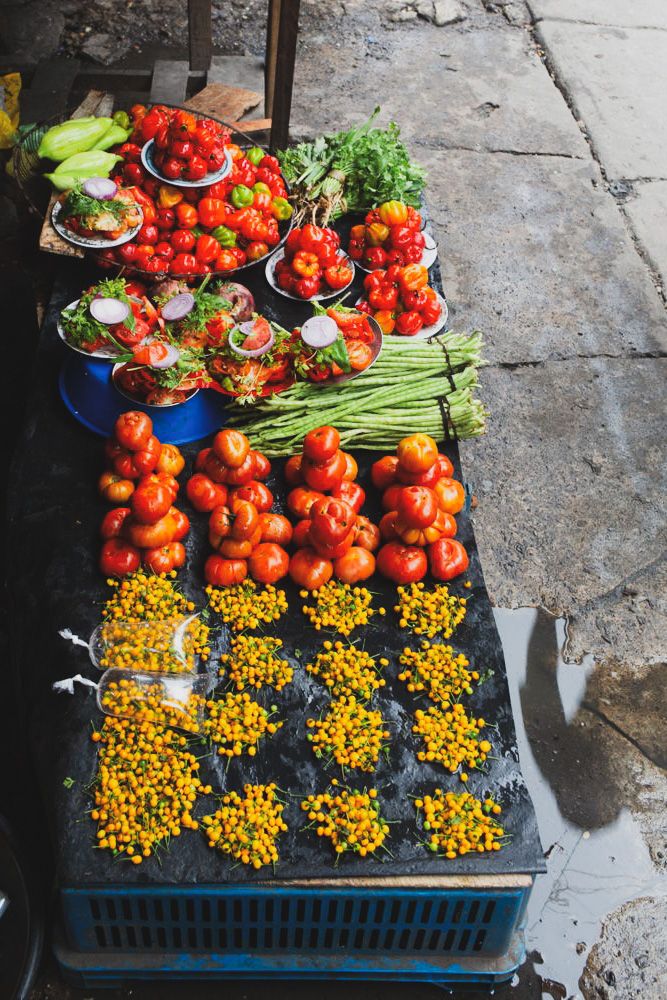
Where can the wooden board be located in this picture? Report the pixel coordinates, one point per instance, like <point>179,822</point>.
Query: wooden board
<point>222,101</point>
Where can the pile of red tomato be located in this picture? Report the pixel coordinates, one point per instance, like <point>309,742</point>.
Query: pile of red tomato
<point>400,299</point>
<point>190,231</point>
<point>141,474</point>
<point>332,537</point>
<point>247,537</point>
<point>390,234</point>
<point>313,263</point>
<point>420,497</point>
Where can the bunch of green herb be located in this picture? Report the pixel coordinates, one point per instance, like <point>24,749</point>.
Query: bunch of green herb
<point>350,172</point>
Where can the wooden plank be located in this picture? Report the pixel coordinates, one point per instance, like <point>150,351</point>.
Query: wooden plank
<point>442,882</point>
<point>284,45</point>
<point>222,101</point>
<point>170,82</point>
<point>200,32</point>
<point>48,94</point>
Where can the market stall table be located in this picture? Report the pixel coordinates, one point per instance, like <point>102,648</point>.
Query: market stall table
<point>404,914</point>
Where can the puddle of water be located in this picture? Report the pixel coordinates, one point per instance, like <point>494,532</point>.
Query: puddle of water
<point>590,873</point>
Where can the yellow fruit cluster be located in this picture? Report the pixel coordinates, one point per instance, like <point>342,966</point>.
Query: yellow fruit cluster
<point>154,645</point>
<point>145,788</point>
<point>429,612</point>
<point>435,670</point>
<point>244,606</point>
<point>350,819</point>
<point>458,823</point>
<point>348,670</point>
<point>144,596</point>
<point>451,738</point>
<point>350,734</point>
<point>253,663</point>
<point>237,724</point>
<point>247,828</point>
<point>141,701</point>
<point>339,607</point>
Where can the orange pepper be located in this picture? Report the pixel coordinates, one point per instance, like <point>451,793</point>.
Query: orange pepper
<point>412,276</point>
<point>168,196</point>
<point>393,213</point>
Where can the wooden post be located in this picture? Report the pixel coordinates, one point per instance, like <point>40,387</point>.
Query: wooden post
<point>201,34</point>
<point>282,31</point>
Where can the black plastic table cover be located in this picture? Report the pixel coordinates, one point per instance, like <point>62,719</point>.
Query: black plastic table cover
<point>54,513</point>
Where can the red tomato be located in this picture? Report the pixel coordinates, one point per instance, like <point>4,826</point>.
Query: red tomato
<point>181,523</point>
<point>428,478</point>
<point>355,565</point>
<point>118,557</point>
<point>366,534</point>
<point>114,488</point>
<point>417,452</point>
<point>293,474</point>
<point>150,501</point>
<point>390,496</point>
<point>213,467</point>
<point>326,475</point>
<point>351,467</point>
<point>321,444</point>
<point>417,506</point>
<point>360,354</point>
<point>171,460</point>
<point>221,572</point>
<point>166,480</point>
<point>262,465</point>
<point>450,495</point>
<point>165,558</point>
<point>268,563</point>
<point>231,447</point>
<point>332,551</point>
<point>383,472</point>
<point>387,527</point>
<point>147,458</point>
<point>200,459</point>
<point>233,548</point>
<point>204,494</point>
<point>310,570</point>
<point>149,536</point>
<point>444,467</point>
<point>275,528</point>
<point>243,473</point>
<point>300,500</point>
<point>133,429</point>
<point>257,493</point>
<point>350,492</point>
<point>447,558</point>
<point>332,520</point>
<point>220,521</point>
<point>301,533</point>
<point>112,523</point>
<point>245,519</point>
<point>402,563</point>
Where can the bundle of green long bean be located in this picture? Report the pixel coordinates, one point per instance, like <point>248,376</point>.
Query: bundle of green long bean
<point>413,386</point>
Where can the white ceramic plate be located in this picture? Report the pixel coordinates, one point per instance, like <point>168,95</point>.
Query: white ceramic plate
<point>271,278</point>
<point>110,353</point>
<point>91,242</point>
<point>428,258</point>
<point>426,331</point>
<point>375,346</point>
<point>147,159</point>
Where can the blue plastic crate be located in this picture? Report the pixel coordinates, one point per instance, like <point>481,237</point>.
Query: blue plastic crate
<point>457,936</point>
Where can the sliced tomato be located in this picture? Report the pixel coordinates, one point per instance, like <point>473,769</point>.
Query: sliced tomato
<point>261,335</point>
<point>360,354</point>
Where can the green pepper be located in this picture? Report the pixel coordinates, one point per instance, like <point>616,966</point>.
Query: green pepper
<point>225,236</point>
<point>255,155</point>
<point>242,196</point>
<point>281,209</point>
<point>114,137</point>
<point>122,118</point>
<point>93,163</point>
<point>74,136</point>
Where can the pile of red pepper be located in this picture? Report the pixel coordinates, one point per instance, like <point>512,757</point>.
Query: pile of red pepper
<point>400,299</point>
<point>189,231</point>
<point>390,234</point>
<point>313,263</point>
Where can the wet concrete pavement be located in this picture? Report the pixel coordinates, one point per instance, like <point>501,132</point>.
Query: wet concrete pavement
<point>540,127</point>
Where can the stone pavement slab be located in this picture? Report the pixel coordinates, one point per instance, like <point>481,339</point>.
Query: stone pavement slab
<point>535,253</point>
<point>635,14</point>
<point>646,209</point>
<point>616,80</point>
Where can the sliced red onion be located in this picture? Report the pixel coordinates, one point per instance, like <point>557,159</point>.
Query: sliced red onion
<point>319,332</point>
<point>248,329</point>
<point>109,311</point>
<point>102,188</point>
<point>178,307</point>
<point>171,357</point>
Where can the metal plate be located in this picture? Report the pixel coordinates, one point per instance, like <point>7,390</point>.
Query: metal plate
<point>148,161</point>
<point>323,296</point>
<point>92,242</point>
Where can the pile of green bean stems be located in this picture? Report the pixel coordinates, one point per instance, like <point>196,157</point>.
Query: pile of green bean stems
<point>410,388</point>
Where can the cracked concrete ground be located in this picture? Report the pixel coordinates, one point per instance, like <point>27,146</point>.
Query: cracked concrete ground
<point>540,127</point>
